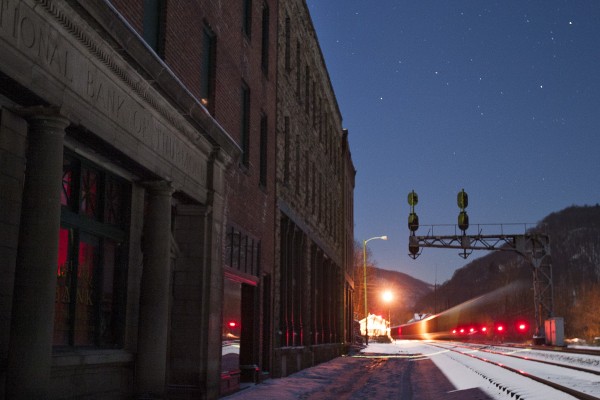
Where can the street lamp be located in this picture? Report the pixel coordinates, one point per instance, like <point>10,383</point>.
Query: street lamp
<point>365,282</point>
<point>388,297</point>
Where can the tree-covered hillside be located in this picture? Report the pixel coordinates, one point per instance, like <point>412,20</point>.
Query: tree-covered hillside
<point>575,247</point>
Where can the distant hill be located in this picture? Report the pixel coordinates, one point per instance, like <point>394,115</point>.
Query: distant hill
<point>406,291</point>
<point>411,289</point>
<point>575,247</point>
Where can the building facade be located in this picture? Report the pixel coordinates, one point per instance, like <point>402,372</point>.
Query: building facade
<point>315,184</point>
<point>159,223</point>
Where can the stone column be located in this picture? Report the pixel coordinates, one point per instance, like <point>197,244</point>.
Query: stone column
<point>151,362</point>
<point>32,324</point>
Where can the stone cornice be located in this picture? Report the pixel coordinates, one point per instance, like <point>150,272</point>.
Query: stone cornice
<point>140,60</point>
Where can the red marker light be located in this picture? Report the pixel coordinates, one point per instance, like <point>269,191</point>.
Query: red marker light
<point>500,328</point>
<point>232,324</point>
<point>484,329</point>
<point>522,327</point>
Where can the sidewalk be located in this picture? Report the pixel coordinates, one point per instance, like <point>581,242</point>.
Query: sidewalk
<point>365,376</point>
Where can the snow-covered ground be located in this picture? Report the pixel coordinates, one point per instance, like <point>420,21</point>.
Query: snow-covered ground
<point>358,380</point>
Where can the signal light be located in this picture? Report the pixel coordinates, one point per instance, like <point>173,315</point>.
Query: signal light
<point>232,324</point>
<point>413,219</point>
<point>522,327</point>
<point>500,328</point>
<point>462,199</point>
<point>484,329</point>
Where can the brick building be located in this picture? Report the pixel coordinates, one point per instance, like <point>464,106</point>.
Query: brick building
<point>314,221</point>
<point>149,200</point>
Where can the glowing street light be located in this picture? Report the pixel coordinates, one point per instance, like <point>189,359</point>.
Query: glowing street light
<point>365,282</point>
<point>388,296</point>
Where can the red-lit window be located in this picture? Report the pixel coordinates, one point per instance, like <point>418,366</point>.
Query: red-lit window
<point>113,202</point>
<point>89,193</point>
<point>67,183</point>
<point>91,270</point>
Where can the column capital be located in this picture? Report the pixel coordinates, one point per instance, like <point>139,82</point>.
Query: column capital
<point>163,187</point>
<point>44,116</point>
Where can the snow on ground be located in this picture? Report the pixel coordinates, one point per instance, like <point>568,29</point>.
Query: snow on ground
<point>358,380</point>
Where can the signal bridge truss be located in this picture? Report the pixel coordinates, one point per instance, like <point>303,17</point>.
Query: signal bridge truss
<point>534,247</point>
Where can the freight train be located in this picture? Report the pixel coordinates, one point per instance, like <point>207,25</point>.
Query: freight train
<point>475,320</point>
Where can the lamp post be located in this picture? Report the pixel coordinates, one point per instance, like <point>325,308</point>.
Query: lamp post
<point>365,283</point>
<point>388,297</point>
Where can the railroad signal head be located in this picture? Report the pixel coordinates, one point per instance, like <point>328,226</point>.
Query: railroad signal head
<point>413,199</point>
<point>462,199</point>
<point>413,222</point>
<point>413,218</point>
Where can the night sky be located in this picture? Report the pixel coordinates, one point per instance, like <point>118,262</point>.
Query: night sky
<point>501,98</point>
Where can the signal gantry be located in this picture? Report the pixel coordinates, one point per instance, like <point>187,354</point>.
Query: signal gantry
<point>534,247</point>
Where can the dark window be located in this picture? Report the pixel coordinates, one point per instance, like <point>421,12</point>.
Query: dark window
<point>298,70</point>
<point>92,257</point>
<point>242,252</point>
<point>264,127</point>
<point>208,68</point>
<point>154,25</point>
<point>297,165</point>
<point>288,50</point>
<point>307,90</point>
<point>286,150</point>
<point>245,125</point>
<point>265,39</point>
<point>247,18</point>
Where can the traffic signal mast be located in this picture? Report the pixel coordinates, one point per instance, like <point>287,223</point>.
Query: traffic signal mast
<point>534,247</point>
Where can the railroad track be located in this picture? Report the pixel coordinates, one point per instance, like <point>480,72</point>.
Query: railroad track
<point>523,377</point>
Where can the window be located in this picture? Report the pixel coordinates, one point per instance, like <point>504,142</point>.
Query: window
<point>297,166</point>
<point>288,51</point>
<point>307,90</point>
<point>298,71</point>
<point>286,150</point>
<point>154,25</point>
<point>242,252</point>
<point>263,150</point>
<point>245,114</point>
<point>247,18</point>
<point>265,39</point>
<point>208,69</point>
<point>92,259</point>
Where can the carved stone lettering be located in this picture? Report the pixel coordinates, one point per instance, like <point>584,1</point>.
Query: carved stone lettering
<point>51,49</point>
<point>105,96</point>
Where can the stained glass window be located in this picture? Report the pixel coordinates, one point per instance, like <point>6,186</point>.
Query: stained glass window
<point>89,192</point>
<point>91,269</point>
<point>67,183</point>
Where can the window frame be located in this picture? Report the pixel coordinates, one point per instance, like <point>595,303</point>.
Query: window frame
<point>110,240</point>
